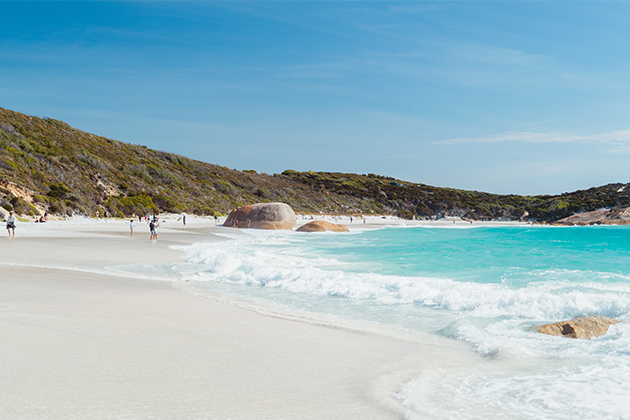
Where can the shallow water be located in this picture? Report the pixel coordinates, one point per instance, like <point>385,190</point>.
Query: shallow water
<point>485,287</point>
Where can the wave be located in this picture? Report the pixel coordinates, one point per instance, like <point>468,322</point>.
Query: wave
<point>290,267</point>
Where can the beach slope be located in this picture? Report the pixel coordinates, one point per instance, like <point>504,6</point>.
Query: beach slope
<point>77,343</point>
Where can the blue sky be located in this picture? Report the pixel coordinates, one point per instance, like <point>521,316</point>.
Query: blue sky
<point>504,96</point>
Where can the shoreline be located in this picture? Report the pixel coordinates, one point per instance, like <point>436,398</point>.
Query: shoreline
<point>86,342</point>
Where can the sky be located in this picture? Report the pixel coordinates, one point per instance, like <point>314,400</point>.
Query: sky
<point>508,97</point>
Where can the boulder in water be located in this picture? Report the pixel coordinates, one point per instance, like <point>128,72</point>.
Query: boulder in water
<point>586,327</point>
<point>321,226</point>
<point>263,216</point>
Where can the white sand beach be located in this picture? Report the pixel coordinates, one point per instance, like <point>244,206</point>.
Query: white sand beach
<point>81,341</point>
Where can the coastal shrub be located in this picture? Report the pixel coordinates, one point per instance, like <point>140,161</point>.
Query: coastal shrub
<point>7,207</point>
<point>164,203</point>
<point>260,192</point>
<point>224,187</point>
<point>19,205</point>
<point>470,215</point>
<point>6,164</point>
<point>59,124</point>
<point>132,204</point>
<point>58,190</point>
<point>424,211</point>
<point>405,214</point>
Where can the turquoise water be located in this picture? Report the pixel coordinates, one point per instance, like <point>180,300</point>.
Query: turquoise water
<point>484,287</point>
<point>487,255</point>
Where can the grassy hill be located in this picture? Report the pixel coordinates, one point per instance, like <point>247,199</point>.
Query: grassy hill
<point>46,165</point>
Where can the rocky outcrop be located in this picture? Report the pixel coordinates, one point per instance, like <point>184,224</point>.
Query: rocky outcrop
<point>586,327</point>
<point>322,226</point>
<point>616,216</point>
<point>263,216</point>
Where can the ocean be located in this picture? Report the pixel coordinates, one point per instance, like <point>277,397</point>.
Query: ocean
<point>485,288</point>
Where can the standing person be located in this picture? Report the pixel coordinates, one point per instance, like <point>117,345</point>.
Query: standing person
<point>152,229</point>
<point>184,218</point>
<point>11,224</point>
<point>131,228</point>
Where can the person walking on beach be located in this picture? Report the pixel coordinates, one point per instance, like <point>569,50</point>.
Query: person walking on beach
<point>11,224</point>
<point>184,219</point>
<point>152,229</point>
<point>131,228</point>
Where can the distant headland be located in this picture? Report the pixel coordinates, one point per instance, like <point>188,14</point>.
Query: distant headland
<point>46,166</point>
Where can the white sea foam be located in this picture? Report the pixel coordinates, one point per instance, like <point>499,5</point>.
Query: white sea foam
<point>586,385</point>
<point>284,268</point>
<point>536,376</point>
<point>553,396</point>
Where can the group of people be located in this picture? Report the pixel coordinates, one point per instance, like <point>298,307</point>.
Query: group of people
<point>153,223</point>
<point>10,221</point>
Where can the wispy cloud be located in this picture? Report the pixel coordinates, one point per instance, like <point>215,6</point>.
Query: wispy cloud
<point>616,138</point>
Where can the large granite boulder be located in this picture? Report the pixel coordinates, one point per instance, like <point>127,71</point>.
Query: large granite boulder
<point>263,216</point>
<point>586,327</point>
<point>321,226</point>
<point>616,216</point>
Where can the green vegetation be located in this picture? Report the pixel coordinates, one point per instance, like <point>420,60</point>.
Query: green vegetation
<point>66,171</point>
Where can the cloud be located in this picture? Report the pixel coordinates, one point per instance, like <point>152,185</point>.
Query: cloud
<point>615,138</point>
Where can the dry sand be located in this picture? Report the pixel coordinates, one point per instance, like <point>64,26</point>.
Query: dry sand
<point>81,344</point>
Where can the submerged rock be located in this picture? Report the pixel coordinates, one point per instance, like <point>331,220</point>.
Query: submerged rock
<point>263,216</point>
<point>585,328</point>
<point>321,226</point>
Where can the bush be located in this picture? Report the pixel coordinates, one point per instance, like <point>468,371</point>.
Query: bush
<point>405,214</point>
<point>40,198</point>
<point>58,190</point>
<point>132,204</point>
<point>224,187</point>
